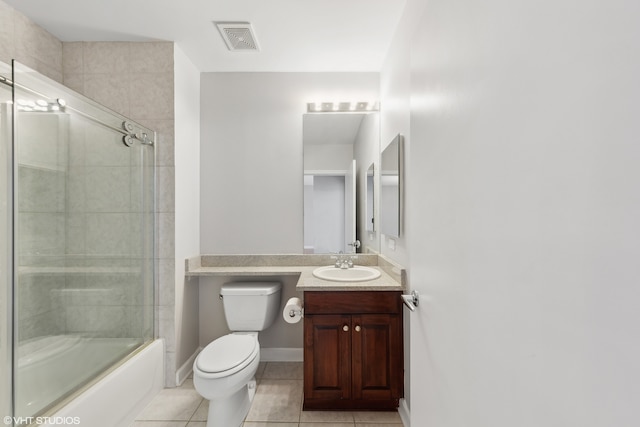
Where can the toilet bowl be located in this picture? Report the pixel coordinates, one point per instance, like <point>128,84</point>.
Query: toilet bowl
<point>224,371</point>
<point>224,374</point>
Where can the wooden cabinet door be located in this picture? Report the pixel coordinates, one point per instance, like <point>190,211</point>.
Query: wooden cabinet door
<point>376,356</point>
<point>327,357</point>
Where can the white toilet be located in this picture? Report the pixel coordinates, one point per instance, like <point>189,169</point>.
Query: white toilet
<point>224,371</point>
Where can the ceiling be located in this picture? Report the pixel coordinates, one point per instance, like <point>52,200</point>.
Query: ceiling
<point>293,35</point>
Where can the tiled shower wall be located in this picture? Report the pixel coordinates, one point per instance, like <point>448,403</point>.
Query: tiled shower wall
<point>22,39</point>
<point>42,170</point>
<point>136,80</point>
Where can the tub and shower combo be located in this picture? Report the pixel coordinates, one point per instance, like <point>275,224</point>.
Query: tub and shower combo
<point>76,257</point>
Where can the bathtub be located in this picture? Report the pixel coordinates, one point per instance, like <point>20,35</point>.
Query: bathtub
<point>54,366</point>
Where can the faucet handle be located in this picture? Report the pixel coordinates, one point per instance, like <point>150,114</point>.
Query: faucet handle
<point>338,259</point>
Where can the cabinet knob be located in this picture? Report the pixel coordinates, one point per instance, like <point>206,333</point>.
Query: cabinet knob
<point>358,328</point>
<point>345,328</point>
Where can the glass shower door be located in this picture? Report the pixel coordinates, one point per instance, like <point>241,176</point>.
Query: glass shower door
<point>84,240</point>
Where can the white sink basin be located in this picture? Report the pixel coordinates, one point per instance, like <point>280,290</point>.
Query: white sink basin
<point>357,273</point>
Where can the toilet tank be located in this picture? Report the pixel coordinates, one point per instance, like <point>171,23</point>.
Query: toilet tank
<point>251,306</point>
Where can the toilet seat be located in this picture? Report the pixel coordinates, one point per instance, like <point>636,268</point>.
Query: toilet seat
<point>227,355</point>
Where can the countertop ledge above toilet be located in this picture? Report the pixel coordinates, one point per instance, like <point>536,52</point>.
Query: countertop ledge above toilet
<point>392,277</point>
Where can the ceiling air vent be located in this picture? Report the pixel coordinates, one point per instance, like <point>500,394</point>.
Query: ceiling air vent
<point>238,36</point>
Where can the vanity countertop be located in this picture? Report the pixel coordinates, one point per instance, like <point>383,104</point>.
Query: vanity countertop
<point>392,276</point>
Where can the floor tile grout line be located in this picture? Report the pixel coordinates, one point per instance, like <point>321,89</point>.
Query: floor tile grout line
<point>196,410</point>
<point>297,419</point>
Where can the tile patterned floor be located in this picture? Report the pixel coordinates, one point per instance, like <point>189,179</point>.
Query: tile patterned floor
<point>277,403</point>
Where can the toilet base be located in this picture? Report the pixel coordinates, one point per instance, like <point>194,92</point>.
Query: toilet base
<point>231,411</point>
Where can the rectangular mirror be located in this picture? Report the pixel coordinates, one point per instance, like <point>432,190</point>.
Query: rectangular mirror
<point>391,187</point>
<point>333,178</point>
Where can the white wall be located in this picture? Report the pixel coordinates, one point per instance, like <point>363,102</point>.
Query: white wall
<point>523,210</point>
<point>280,335</point>
<point>251,155</point>
<point>395,111</point>
<point>187,201</point>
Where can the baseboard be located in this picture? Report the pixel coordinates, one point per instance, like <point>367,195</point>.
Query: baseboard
<point>266,355</point>
<point>403,411</point>
<point>281,355</point>
<point>186,369</point>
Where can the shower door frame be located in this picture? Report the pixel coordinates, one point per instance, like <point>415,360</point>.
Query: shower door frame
<point>6,358</point>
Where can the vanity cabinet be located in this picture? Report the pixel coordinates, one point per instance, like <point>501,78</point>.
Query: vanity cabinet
<point>353,351</point>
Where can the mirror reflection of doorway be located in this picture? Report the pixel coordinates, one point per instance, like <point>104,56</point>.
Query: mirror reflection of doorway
<point>328,213</point>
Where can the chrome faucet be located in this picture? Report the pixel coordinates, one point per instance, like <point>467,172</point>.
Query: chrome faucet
<point>343,260</point>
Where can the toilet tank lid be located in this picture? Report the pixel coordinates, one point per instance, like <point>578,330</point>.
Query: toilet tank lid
<point>250,288</point>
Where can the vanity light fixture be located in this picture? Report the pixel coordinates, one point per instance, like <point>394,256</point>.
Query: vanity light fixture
<point>342,107</point>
